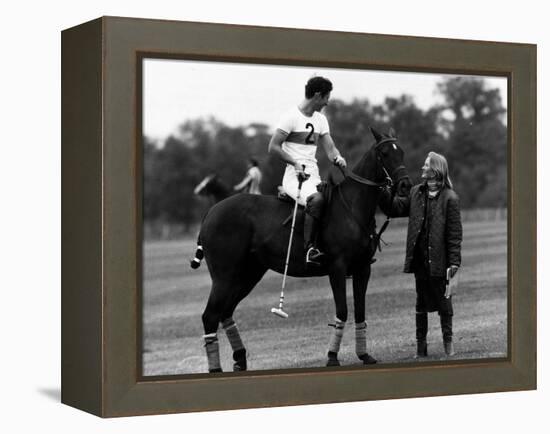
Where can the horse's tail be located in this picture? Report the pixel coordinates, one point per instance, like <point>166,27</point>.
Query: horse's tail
<point>199,255</point>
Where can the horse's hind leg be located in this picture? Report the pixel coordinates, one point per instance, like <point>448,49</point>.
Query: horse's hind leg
<point>224,298</point>
<point>234,337</point>
<point>211,318</point>
<point>248,282</point>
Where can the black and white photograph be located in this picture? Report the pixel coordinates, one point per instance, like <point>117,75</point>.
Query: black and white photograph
<point>144,180</point>
<point>311,217</point>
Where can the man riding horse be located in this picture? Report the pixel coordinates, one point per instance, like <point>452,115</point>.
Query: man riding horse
<point>295,141</point>
<point>253,229</point>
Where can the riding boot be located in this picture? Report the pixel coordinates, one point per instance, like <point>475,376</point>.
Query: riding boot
<point>313,254</point>
<point>421,349</point>
<point>447,331</point>
<point>314,211</point>
<point>421,333</point>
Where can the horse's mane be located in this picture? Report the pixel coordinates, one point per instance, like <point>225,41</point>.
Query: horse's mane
<point>361,166</point>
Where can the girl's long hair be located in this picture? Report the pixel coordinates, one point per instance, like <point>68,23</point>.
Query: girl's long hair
<point>439,165</point>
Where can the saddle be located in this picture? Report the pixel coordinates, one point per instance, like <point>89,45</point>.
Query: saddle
<point>324,188</point>
<point>327,189</point>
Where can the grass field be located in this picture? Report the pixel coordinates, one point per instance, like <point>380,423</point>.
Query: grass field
<point>174,297</point>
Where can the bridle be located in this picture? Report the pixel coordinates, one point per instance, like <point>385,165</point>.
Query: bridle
<point>399,173</point>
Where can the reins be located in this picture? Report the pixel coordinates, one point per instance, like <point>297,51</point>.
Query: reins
<point>388,183</point>
<point>350,211</point>
<point>349,174</point>
<point>377,236</point>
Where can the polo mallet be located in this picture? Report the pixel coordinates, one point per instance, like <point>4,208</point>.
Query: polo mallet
<point>279,311</point>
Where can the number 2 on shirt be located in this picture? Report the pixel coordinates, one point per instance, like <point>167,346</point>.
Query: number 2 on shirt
<point>309,140</point>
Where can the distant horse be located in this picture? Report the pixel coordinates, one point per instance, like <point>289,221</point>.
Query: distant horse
<point>211,186</point>
<point>244,236</point>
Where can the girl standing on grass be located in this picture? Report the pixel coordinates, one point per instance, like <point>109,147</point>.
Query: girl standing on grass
<point>434,239</point>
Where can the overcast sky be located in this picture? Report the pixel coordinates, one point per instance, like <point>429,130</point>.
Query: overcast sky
<point>238,94</point>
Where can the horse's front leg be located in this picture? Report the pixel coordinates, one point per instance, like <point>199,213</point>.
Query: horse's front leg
<point>360,281</point>
<point>337,276</point>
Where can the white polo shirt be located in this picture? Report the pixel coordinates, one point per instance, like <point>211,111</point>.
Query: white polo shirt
<point>301,144</point>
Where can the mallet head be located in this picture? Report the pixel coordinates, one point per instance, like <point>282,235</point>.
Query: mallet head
<point>279,312</point>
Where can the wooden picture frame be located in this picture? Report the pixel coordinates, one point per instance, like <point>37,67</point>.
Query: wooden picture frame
<point>101,232</point>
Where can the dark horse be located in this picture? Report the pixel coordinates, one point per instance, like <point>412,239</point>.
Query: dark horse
<point>244,236</point>
<point>212,186</point>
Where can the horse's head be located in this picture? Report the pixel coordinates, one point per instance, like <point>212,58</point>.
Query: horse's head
<point>213,188</point>
<point>203,188</point>
<point>389,158</point>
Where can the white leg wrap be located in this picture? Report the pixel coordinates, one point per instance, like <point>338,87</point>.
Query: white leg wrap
<point>233,335</point>
<point>336,339</point>
<point>361,338</point>
<point>212,351</point>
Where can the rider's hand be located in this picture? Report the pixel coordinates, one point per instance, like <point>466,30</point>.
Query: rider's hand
<point>300,174</point>
<point>340,162</point>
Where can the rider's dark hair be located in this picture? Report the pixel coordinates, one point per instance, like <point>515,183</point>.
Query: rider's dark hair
<point>318,84</point>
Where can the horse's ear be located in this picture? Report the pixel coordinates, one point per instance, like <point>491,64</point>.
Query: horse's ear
<point>376,134</point>
<point>392,133</point>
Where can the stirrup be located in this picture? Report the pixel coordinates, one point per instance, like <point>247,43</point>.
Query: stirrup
<point>313,256</point>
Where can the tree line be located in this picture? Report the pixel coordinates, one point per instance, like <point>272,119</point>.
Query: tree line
<point>468,127</point>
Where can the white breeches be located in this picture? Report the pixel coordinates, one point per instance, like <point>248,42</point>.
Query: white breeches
<point>290,183</point>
